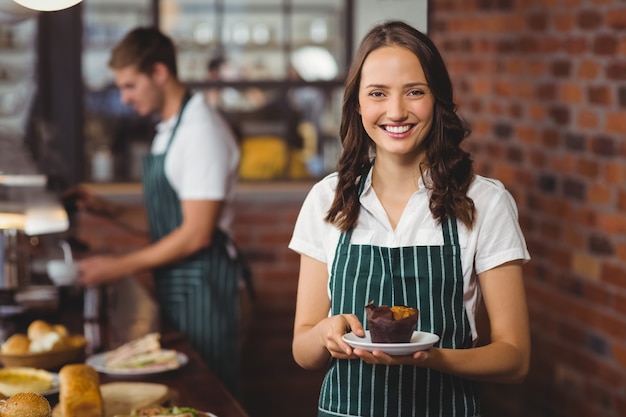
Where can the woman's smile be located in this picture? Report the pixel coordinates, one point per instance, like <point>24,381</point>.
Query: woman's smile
<point>398,131</point>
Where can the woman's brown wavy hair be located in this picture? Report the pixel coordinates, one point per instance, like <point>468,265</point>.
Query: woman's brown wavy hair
<point>450,168</point>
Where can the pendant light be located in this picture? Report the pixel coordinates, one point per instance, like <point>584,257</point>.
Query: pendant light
<point>47,5</point>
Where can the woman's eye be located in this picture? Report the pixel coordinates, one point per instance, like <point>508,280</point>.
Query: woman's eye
<point>416,93</point>
<point>376,94</point>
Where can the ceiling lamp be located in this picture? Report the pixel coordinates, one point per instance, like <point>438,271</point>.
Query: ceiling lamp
<point>47,5</point>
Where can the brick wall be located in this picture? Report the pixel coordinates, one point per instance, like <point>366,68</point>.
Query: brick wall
<point>543,85</point>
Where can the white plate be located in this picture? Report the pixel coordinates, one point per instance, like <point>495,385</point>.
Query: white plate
<point>419,341</point>
<point>54,388</point>
<point>98,363</point>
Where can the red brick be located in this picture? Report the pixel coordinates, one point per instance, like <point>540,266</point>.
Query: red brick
<point>589,19</point>
<point>537,112</point>
<point>576,45</point>
<point>581,216</point>
<point>564,22</point>
<point>526,134</point>
<point>574,238</point>
<point>616,19</point>
<point>587,168</point>
<point>599,95</point>
<point>587,119</point>
<point>616,70</point>
<point>537,159</point>
<point>605,44</point>
<point>619,353</point>
<point>616,122</point>
<point>614,274</point>
<point>537,68</point>
<point>621,200</point>
<point>619,303</point>
<point>615,173</point>
<point>600,193</point>
<point>549,45</point>
<point>571,93</point>
<point>612,223</point>
<point>589,69</point>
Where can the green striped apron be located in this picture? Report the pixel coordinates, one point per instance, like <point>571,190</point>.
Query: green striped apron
<point>427,277</point>
<point>198,295</point>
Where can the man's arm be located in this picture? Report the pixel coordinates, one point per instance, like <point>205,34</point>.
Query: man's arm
<point>200,218</point>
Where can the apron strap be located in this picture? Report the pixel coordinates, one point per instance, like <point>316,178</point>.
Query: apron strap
<point>186,99</point>
<point>450,232</point>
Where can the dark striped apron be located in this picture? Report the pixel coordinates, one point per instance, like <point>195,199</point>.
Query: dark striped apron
<point>427,277</point>
<point>198,295</point>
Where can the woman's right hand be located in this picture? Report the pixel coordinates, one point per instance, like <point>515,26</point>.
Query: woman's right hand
<point>332,330</point>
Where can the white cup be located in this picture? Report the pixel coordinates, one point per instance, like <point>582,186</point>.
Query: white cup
<point>61,272</point>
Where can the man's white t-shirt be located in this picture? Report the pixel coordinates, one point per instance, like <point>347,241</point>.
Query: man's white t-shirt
<point>203,160</point>
<point>496,237</point>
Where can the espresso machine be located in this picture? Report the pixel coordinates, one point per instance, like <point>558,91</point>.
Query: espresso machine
<point>27,213</point>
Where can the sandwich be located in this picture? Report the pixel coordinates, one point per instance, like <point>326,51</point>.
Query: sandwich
<point>144,352</point>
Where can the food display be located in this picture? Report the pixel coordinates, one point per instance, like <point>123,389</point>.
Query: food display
<point>25,404</point>
<point>142,353</point>
<point>14,380</point>
<point>394,324</point>
<point>79,392</point>
<point>44,345</point>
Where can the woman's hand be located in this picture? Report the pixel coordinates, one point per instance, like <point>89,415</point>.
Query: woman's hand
<point>332,330</point>
<point>378,357</point>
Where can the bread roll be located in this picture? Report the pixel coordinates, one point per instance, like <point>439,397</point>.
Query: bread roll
<point>17,344</point>
<point>60,329</point>
<point>38,328</point>
<point>26,404</point>
<point>47,342</point>
<point>79,391</point>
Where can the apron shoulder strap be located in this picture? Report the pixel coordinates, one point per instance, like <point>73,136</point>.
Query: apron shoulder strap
<point>450,232</point>
<point>186,99</point>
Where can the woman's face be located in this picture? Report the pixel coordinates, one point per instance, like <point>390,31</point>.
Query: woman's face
<point>395,102</point>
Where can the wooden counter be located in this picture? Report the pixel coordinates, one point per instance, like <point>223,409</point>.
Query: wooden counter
<point>193,385</point>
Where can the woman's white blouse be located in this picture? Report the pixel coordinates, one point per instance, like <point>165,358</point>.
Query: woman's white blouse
<point>496,237</point>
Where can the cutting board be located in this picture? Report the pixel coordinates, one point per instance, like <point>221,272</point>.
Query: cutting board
<point>120,398</point>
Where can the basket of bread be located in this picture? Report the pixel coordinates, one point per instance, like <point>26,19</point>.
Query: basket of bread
<point>44,346</point>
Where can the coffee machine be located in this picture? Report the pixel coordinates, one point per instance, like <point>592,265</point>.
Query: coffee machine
<point>27,211</point>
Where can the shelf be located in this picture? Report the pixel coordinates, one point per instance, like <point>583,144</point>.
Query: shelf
<point>256,38</point>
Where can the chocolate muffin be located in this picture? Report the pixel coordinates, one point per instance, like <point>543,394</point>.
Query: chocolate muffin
<point>391,324</point>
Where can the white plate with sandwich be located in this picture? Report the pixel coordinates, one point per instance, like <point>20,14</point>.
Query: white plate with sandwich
<point>141,356</point>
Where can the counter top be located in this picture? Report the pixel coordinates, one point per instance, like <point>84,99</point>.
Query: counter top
<point>246,190</point>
